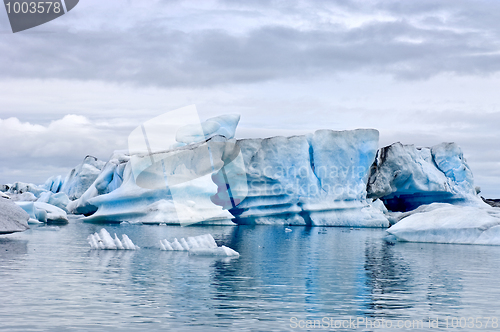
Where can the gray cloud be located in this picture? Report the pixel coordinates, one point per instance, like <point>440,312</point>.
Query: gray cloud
<point>147,54</point>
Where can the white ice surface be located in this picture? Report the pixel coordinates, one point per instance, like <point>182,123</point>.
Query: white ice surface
<point>446,223</point>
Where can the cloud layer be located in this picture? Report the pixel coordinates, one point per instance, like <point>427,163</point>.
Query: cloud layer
<point>164,44</point>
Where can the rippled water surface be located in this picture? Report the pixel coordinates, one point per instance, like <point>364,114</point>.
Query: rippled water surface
<point>50,280</point>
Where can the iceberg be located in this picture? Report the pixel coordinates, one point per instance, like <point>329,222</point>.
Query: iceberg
<point>448,223</point>
<point>103,240</point>
<point>19,188</point>
<point>199,173</point>
<point>59,200</point>
<point>405,177</point>
<point>316,180</point>
<point>43,212</point>
<point>109,199</point>
<point>53,184</point>
<point>12,218</point>
<point>24,197</point>
<point>81,177</point>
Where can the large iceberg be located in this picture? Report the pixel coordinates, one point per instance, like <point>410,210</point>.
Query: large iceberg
<point>447,223</point>
<point>405,177</point>
<point>318,179</point>
<point>12,218</point>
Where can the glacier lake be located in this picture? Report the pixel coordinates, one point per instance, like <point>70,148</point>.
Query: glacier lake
<point>308,279</point>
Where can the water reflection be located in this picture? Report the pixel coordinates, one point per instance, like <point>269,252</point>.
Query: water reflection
<point>308,273</point>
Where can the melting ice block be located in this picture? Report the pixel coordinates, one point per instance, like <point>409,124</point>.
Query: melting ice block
<point>103,240</point>
<point>447,223</point>
<point>202,245</point>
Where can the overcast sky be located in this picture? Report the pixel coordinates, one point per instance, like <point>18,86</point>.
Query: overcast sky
<point>421,72</point>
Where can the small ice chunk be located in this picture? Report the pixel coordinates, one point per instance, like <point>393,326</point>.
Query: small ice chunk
<point>288,230</point>
<point>103,240</point>
<point>222,251</point>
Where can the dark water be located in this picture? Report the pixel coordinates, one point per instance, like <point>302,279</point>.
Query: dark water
<point>51,281</point>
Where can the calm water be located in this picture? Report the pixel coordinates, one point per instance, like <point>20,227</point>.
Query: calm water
<point>51,281</point>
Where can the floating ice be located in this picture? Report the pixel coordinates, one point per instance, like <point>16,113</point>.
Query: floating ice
<point>103,240</point>
<point>200,241</point>
<point>447,223</point>
<point>221,251</point>
<point>44,212</point>
<point>201,245</point>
